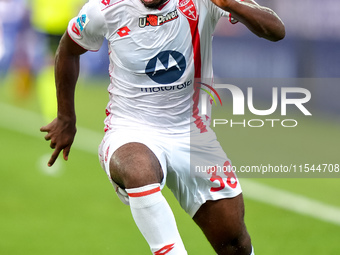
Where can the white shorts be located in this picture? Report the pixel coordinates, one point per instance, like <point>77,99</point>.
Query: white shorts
<point>195,167</point>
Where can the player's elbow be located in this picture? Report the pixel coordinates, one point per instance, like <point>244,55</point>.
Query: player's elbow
<point>279,34</point>
<point>275,32</point>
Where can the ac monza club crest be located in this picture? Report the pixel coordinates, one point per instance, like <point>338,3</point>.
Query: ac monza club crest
<point>188,9</point>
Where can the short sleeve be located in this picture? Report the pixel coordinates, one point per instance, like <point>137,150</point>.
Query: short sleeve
<point>89,28</point>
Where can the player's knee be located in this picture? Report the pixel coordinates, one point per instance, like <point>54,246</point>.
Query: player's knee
<point>237,245</point>
<point>135,165</point>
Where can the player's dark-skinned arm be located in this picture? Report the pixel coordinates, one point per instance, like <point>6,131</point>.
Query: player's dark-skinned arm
<point>61,130</point>
<point>261,20</point>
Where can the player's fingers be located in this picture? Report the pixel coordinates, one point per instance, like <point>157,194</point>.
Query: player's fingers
<point>54,156</point>
<point>52,145</point>
<point>48,137</point>
<point>66,152</point>
<point>45,128</point>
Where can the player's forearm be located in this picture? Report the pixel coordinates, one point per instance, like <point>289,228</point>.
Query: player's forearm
<point>262,21</point>
<point>66,73</point>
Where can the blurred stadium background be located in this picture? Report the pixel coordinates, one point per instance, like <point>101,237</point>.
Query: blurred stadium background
<point>71,207</point>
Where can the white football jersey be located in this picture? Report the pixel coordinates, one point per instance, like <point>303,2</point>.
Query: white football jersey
<point>157,57</point>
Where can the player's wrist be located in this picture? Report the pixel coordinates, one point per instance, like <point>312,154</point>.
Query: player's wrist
<point>68,118</point>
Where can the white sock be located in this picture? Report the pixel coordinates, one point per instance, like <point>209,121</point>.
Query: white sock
<point>155,220</point>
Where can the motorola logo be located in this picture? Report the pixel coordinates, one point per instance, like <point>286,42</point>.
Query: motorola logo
<point>167,67</point>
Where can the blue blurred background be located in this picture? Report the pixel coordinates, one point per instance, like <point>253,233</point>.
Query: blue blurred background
<point>310,49</point>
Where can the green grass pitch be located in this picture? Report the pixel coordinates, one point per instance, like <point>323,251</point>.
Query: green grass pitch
<point>72,209</point>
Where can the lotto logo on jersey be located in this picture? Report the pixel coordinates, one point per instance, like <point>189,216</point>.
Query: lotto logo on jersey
<point>106,2</point>
<point>157,20</point>
<point>188,9</point>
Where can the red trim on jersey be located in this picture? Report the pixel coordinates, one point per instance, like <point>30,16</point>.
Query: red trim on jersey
<point>144,193</point>
<point>196,44</point>
<point>112,4</point>
<point>233,20</point>
<point>68,33</point>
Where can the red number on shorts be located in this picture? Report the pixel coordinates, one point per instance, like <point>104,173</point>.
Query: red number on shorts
<point>215,177</point>
<point>228,172</point>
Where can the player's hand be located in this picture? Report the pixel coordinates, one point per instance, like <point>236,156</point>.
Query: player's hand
<point>61,134</point>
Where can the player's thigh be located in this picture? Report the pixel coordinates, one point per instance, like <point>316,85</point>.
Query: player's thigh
<point>222,222</point>
<point>134,165</point>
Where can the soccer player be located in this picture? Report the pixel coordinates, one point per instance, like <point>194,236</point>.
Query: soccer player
<point>160,51</point>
